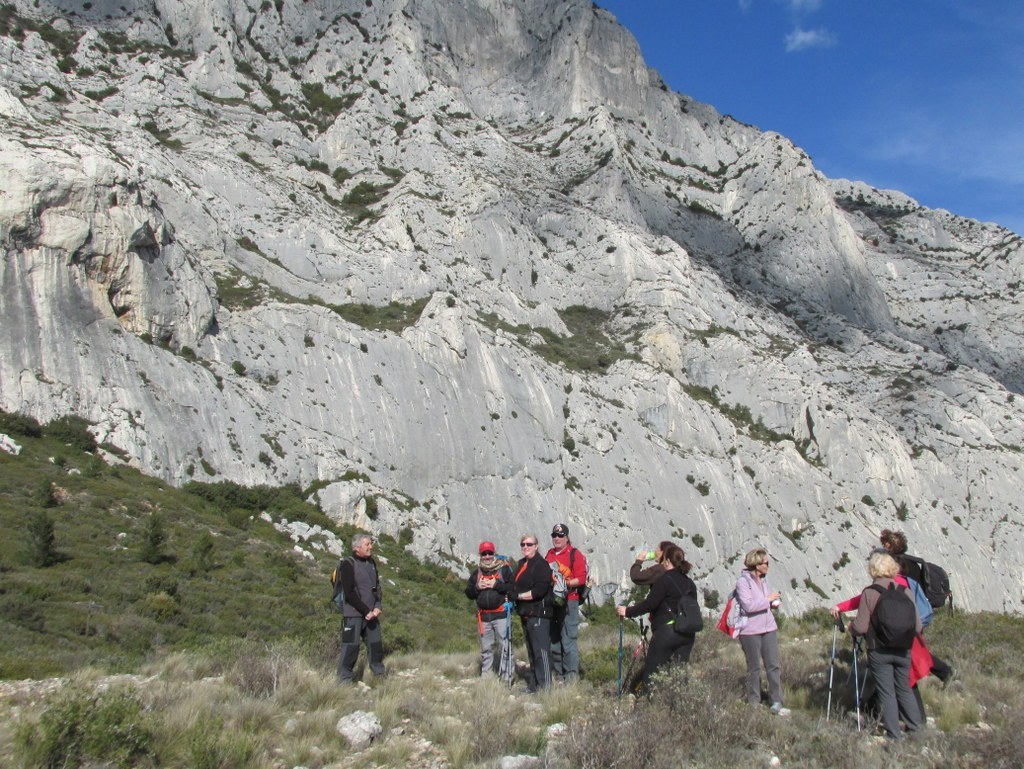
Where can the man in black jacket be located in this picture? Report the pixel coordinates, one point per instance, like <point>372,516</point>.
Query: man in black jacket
<point>361,611</point>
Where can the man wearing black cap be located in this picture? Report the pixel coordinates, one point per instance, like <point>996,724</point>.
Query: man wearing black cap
<point>565,625</point>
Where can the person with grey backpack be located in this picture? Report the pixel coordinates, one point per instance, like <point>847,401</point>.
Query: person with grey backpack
<point>887,618</point>
<point>932,581</point>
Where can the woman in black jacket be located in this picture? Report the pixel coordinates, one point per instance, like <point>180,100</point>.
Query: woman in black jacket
<point>666,644</point>
<point>530,589</point>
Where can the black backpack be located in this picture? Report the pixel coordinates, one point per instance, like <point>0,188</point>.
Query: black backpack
<point>688,619</point>
<point>933,580</point>
<point>894,619</point>
<point>338,598</point>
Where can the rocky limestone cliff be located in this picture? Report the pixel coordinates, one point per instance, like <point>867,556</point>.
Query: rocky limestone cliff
<point>468,267</point>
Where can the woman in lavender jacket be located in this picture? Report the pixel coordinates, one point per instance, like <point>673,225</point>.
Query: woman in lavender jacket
<point>758,630</point>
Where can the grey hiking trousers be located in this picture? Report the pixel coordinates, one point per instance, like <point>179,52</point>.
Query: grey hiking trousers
<point>763,646</point>
<point>354,631</point>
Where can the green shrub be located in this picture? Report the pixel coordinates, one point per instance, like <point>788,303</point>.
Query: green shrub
<point>22,611</point>
<point>72,431</point>
<point>587,348</point>
<point>209,746</point>
<point>158,606</point>
<point>19,424</point>
<point>394,317</point>
<point>323,108</point>
<point>163,136</point>
<point>80,727</point>
<point>203,552</point>
<point>245,241</point>
<point>372,510</point>
<point>237,502</point>
<point>102,93</point>
<point>365,194</point>
<point>600,665</point>
<point>45,496</point>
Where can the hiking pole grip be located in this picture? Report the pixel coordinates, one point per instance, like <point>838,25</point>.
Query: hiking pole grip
<point>840,624</point>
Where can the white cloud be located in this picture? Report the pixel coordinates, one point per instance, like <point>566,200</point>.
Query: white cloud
<point>795,6</point>
<point>799,39</point>
<point>985,150</point>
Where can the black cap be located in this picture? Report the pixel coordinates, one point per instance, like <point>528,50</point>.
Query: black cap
<point>560,530</point>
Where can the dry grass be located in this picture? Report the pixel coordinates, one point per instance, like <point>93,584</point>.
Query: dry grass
<point>272,707</point>
<point>695,717</point>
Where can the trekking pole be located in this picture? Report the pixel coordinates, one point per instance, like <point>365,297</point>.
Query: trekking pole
<point>838,627</point>
<point>506,652</point>
<point>856,679</point>
<point>620,658</point>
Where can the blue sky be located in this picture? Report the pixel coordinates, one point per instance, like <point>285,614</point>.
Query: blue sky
<point>922,96</point>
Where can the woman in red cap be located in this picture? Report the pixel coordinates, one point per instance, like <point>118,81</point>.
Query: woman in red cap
<point>488,585</point>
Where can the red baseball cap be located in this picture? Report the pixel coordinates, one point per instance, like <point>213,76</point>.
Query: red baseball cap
<point>488,547</point>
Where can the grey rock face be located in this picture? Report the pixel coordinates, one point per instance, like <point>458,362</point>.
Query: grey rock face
<point>614,307</point>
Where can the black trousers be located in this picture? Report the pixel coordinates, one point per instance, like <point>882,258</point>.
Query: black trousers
<point>667,647</point>
<point>537,631</point>
<point>941,669</point>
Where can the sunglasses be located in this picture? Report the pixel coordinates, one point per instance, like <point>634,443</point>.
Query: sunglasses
<point>558,536</point>
<point>487,552</point>
<point>527,544</point>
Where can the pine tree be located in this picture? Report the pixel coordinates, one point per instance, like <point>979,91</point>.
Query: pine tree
<point>42,539</point>
<point>153,541</point>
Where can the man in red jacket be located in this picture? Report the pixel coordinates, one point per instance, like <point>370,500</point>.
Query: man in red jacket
<point>565,625</point>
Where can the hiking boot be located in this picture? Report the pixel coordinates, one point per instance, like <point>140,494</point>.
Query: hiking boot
<point>778,710</point>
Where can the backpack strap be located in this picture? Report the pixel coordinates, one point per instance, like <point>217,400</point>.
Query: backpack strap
<point>376,580</point>
<point>893,586</point>
<point>743,612</point>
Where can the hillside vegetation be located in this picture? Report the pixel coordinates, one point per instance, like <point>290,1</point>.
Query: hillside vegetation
<point>148,626</point>
<point>105,566</point>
